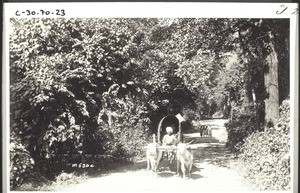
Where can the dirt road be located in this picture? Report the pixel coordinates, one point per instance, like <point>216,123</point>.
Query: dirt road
<point>212,171</point>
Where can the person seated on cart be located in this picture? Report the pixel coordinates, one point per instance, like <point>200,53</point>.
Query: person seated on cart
<point>170,140</point>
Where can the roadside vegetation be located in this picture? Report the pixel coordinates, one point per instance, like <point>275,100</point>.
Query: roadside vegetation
<point>265,156</point>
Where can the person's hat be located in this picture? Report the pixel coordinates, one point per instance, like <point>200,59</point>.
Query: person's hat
<point>169,129</point>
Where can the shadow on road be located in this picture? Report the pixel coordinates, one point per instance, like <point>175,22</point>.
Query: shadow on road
<point>196,176</point>
<point>119,167</point>
<point>200,139</point>
<point>165,174</point>
<point>219,156</point>
<point>210,150</point>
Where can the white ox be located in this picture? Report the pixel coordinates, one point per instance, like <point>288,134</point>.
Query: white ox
<point>153,156</point>
<point>184,159</point>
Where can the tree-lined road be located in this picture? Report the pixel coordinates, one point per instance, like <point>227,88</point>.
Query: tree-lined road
<point>100,86</point>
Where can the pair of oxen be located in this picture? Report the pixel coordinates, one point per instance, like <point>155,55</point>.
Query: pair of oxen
<point>182,152</point>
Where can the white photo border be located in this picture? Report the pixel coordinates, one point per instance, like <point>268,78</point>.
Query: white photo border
<point>159,10</point>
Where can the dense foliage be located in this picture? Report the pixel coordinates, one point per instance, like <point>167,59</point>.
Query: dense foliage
<point>265,156</point>
<point>247,86</point>
<point>21,163</point>
<point>96,89</point>
<point>73,89</point>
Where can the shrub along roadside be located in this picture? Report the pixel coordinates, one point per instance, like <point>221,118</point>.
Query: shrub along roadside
<point>265,156</point>
<point>61,181</point>
<point>21,163</point>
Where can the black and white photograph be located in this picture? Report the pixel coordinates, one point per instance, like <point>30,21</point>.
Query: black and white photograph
<point>122,103</point>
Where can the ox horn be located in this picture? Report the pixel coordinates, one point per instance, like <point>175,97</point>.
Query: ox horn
<point>153,136</point>
<point>190,142</point>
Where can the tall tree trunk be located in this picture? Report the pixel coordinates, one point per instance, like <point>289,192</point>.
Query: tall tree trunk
<point>271,85</point>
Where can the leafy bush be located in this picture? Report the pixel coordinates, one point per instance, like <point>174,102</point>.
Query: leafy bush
<point>125,122</point>
<point>245,122</point>
<point>61,181</point>
<point>64,179</point>
<point>21,162</point>
<point>265,156</point>
<point>68,178</point>
<point>34,181</point>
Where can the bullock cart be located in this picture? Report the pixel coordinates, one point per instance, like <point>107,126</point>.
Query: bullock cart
<point>166,153</point>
